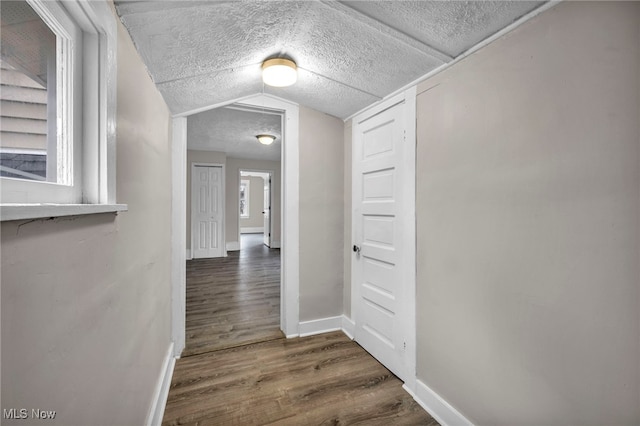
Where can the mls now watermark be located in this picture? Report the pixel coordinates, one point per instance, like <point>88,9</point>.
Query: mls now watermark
<point>23,413</point>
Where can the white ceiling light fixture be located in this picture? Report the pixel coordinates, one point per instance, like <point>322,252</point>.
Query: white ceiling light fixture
<point>279,72</point>
<point>266,139</point>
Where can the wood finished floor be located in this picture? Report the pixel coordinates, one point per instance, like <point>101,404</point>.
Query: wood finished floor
<point>238,369</point>
<point>319,380</point>
<point>233,300</point>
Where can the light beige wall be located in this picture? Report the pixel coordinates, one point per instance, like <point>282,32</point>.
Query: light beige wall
<point>232,212</point>
<point>194,156</point>
<point>86,300</point>
<point>348,244</point>
<point>321,215</point>
<point>528,201</point>
<point>256,203</point>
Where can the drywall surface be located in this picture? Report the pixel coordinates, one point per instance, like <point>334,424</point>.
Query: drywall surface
<point>348,244</point>
<point>232,208</point>
<point>206,157</point>
<point>528,223</point>
<point>86,299</point>
<point>256,203</point>
<point>321,215</point>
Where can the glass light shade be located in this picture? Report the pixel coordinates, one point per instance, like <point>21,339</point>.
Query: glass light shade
<point>279,72</point>
<point>266,139</point>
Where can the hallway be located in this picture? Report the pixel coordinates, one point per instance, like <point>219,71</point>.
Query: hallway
<point>238,368</point>
<point>233,300</point>
<point>324,379</point>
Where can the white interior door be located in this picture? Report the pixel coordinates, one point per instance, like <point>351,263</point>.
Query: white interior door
<point>267,211</point>
<point>378,271</point>
<point>206,210</point>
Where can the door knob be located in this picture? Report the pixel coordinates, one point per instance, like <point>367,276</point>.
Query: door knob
<point>356,249</point>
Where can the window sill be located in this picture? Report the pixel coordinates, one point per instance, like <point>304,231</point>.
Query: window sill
<point>39,211</point>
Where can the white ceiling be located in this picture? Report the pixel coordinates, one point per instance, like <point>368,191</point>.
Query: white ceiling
<point>350,54</point>
<point>233,130</point>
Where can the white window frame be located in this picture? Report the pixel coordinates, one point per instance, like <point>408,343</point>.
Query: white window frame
<point>247,192</point>
<point>87,43</point>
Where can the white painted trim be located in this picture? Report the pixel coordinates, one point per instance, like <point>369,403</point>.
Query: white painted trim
<point>435,405</point>
<point>223,207</point>
<point>348,327</point>
<point>233,246</point>
<point>42,211</point>
<point>252,230</point>
<point>161,392</point>
<point>178,234</point>
<point>319,326</point>
<point>275,244</point>
<point>544,7</point>
<point>408,218</point>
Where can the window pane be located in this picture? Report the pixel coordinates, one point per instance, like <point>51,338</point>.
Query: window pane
<point>28,135</point>
<point>244,199</point>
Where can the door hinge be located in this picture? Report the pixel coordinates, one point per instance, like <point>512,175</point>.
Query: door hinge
<point>404,345</point>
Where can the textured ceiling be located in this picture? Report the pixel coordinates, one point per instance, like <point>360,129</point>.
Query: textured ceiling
<point>351,54</point>
<point>234,131</point>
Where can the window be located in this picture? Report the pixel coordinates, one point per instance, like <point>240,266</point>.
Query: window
<point>58,102</point>
<point>244,198</point>
<point>28,72</point>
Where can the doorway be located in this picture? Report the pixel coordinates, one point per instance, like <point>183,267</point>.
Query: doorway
<point>289,202</point>
<point>256,207</point>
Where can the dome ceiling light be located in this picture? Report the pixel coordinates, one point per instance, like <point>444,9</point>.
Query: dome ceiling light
<point>279,72</point>
<point>266,139</point>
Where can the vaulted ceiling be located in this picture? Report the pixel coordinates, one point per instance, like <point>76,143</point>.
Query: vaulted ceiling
<point>350,53</point>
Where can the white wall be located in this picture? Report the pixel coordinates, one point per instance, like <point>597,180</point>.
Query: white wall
<point>86,299</point>
<point>528,201</point>
<point>321,215</point>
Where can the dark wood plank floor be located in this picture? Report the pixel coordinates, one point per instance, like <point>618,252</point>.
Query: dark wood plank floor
<point>238,369</point>
<point>319,380</point>
<point>233,300</point>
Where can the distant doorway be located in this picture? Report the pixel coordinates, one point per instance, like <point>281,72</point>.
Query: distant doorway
<point>255,207</point>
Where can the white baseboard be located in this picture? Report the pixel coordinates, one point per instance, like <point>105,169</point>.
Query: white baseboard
<point>233,246</point>
<point>348,327</point>
<point>319,326</point>
<point>435,405</point>
<point>188,254</point>
<point>161,392</point>
<point>275,244</point>
<point>252,230</point>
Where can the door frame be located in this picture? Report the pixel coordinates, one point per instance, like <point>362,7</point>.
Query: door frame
<point>270,173</point>
<point>290,229</point>
<point>407,218</point>
<point>222,205</point>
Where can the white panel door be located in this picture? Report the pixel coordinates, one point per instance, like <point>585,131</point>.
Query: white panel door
<point>378,268</point>
<point>267,211</point>
<point>207,216</point>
